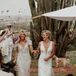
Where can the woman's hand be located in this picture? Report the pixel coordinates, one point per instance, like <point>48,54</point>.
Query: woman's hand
<point>35,51</point>
<point>14,61</point>
<point>46,59</point>
<point>51,53</point>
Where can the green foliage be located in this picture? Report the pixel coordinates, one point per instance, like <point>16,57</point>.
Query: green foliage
<point>60,30</point>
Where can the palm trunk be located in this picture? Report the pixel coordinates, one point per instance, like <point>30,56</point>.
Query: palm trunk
<point>60,30</point>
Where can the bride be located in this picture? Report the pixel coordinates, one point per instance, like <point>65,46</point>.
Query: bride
<point>23,59</point>
<point>46,50</point>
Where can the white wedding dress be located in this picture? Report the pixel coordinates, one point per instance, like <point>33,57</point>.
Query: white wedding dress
<point>45,67</point>
<point>23,60</point>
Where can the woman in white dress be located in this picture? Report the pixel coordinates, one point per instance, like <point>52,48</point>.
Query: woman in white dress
<point>47,50</point>
<point>23,59</point>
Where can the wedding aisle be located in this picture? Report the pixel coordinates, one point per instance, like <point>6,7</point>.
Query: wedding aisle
<point>60,71</point>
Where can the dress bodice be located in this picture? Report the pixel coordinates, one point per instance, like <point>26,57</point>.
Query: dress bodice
<point>43,50</point>
<point>23,49</point>
<point>45,67</point>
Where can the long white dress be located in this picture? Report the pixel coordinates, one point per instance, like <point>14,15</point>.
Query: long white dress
<point>45,67</point>
<point>23,60</point>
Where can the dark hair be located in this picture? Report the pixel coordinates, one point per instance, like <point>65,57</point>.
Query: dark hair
<point>9,26</point>
<point>69,75</point>
<point>2,33</point>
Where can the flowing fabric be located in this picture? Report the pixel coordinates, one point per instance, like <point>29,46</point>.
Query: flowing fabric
<point>23,60</point>
<point>45,67</point>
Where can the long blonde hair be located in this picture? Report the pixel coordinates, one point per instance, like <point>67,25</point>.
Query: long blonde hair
<point>24,33</point>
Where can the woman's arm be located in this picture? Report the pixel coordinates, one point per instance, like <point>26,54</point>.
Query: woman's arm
<point>31,49</point>
<point>34,51</point>
<point>52,53</point>
<point>9,32</point>
<point>38,48</point>
<point>15,54</point>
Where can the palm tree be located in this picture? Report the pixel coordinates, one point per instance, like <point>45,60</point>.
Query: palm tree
<point>63,32</point>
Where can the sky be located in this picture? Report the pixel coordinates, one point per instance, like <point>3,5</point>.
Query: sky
<point>14,7</point>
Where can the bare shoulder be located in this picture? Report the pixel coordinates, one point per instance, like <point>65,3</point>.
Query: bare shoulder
<point>40,42</point>
<point>53,43</point>
<point>6,29</point>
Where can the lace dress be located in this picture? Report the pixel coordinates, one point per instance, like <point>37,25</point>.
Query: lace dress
<point>45,67</point>
<point>23,60</point>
